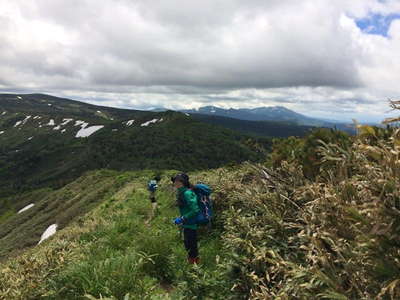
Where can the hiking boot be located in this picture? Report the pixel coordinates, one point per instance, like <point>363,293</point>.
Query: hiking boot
<point>193,261</point>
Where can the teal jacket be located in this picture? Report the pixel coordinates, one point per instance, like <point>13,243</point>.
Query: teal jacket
<point>188,207</point>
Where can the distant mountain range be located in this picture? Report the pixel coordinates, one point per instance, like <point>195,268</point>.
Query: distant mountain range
<point>277,117</point>
<point>273,113</point>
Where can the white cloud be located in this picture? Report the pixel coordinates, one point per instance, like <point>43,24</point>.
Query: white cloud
<point>308,55</point>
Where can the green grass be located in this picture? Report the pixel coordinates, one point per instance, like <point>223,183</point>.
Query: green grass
<point>60,207</point>
<point>6,215</point>
<point>114,250</point>
<point>126,255</point>
<point>277,235</point>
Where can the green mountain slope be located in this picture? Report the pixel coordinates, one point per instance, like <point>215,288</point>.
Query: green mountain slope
<point>59,207</point>
<point>278,233</point>
<point>55,106</point>
<point>47,141</point>
<point>259,128</point>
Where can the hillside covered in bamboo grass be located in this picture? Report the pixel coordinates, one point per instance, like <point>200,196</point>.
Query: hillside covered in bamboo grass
<point>319,219</point>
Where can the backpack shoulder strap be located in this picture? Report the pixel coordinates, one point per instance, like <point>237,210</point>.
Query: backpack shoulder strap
<point>180,198</point>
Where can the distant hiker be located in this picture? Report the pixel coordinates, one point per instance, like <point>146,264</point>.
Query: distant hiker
<point>152,188</point>
<point>189,210</point>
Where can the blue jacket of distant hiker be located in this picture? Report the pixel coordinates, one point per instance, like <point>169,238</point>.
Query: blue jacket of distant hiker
<point>188,207</point>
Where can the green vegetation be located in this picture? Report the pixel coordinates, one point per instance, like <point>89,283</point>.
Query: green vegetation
<point>319,219</point>
<point>258,128</point>
<point>181,144</point>
<point>305,151</point>
<point>23,230</point>
<point>34,154</point>
<point>113,252</point>
<point>277,235</point>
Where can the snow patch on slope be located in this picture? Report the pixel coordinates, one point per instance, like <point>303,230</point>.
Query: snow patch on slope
<point>83,124</point>
<point>26,208</point>
<point>51,230</point>
<point>22,122</point>
<point>66,121</point>
<point>26,119</point>
<point>130,122</point>
<point>150,122</point>
<point>85,132</point>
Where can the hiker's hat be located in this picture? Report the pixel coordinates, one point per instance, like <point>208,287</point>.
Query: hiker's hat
<point>182,177</point>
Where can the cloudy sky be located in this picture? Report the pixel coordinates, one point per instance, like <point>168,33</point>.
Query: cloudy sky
<point>333,59</point>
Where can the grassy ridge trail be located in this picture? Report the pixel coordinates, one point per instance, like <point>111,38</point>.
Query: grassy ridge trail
<point>110,252</point>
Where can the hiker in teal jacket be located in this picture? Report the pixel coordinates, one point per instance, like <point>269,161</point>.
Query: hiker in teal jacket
<point>189,210</point>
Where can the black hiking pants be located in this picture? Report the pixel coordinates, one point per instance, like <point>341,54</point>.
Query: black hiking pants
<point>190,241</point>
<point>153,197</point>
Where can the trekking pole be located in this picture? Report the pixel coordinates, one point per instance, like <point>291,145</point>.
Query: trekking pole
<point>212,209</point>
<point>181,233</point>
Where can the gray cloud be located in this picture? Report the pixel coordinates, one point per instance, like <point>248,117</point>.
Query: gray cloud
<point>180,54</point>
<point>209,44</point>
